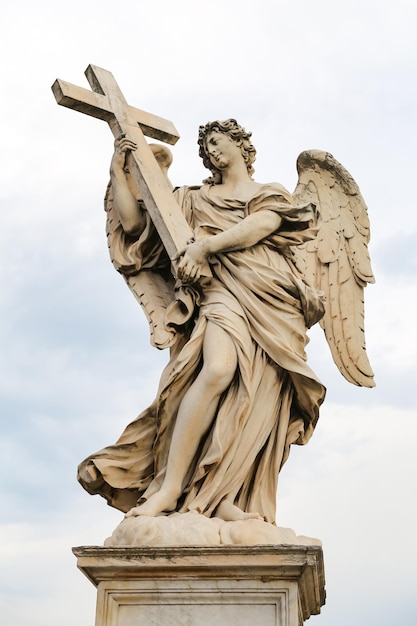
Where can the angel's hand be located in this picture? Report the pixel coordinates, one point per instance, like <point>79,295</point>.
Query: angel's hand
<point>122,146</point>
<point>192,260</point>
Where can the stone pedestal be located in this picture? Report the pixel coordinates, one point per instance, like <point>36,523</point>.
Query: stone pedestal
<point>205,586</point>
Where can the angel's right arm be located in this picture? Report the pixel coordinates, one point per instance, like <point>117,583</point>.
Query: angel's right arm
<point>127,206</point>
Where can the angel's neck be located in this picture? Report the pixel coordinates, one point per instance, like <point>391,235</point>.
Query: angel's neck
<point>236,175</point>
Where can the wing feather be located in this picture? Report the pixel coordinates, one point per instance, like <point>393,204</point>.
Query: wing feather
<point>337,262</point>
<point>153,288</point>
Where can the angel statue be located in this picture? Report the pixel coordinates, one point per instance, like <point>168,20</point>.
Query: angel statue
<point>237,391</point>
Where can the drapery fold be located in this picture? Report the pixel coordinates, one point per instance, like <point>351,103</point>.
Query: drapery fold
<point>257,296</point>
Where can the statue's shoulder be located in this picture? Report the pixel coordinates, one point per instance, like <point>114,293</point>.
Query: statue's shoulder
<point>187,188</point>
<point>185,194</point>
<point>273,189</point>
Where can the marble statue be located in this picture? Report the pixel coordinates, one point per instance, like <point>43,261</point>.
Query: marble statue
<point>233,307</point>
<point>230,274</point>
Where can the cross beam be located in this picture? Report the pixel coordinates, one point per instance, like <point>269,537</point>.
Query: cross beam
<point>106,102</point>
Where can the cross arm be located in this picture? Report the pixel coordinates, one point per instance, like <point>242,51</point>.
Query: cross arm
<point>96,104</point>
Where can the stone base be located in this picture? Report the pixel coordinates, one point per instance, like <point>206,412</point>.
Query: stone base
<point>193,529</point>
<point>205,586</point>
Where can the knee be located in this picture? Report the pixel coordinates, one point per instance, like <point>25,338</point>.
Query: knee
<point>219,373</point>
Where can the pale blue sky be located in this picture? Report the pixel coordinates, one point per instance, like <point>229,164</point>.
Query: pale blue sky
<point>75,360</point>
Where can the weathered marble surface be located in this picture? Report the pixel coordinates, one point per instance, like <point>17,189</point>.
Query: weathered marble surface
<point>231,274</point>
<point>193,529</point>
<point>203,586</point>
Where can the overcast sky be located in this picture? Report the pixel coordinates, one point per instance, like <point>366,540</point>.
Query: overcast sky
<point>75,361</point>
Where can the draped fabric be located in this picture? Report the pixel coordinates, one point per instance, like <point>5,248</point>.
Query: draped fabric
<point>259,299</point>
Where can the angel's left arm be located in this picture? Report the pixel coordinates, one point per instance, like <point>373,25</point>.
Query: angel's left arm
<point>250,231</point>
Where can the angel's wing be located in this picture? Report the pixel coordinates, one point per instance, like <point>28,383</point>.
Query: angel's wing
<point>337,261</point>
<point>153,287</point>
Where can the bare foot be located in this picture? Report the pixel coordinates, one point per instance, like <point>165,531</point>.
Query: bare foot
<point>229,512</point>
<point>158,503</point>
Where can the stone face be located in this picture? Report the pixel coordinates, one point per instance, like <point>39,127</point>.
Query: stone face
<point>196,586</point>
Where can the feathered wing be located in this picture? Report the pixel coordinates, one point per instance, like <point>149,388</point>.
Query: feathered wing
<point>152,284</point>
<point>337,261</point>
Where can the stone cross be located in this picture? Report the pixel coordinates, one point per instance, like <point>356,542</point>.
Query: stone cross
<point>106,102</point>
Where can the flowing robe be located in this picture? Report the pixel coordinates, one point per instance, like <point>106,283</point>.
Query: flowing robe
<point>257,296</point>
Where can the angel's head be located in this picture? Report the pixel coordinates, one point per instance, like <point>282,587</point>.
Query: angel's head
<point>237,134</point>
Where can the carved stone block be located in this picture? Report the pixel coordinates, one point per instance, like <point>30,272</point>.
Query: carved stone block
<point>205,586</point>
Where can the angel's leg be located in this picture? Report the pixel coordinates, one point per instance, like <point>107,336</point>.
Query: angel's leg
<point>195,415</point>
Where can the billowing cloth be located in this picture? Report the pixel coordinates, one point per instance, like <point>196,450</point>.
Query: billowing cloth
<point>258,297</point>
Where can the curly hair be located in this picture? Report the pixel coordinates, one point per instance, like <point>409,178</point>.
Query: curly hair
<point>237,133</point>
